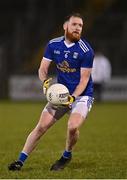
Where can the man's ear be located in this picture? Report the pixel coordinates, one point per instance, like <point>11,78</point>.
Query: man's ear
<point>65,26</point>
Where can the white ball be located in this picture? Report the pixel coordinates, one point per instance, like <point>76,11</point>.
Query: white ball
<point>57,94</point>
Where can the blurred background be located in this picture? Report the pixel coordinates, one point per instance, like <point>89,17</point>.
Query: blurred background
<point>27,25</point>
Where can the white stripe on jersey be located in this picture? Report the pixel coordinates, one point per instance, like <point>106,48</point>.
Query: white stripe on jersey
<point>47,59</point>
<point>84,50</point>
<point>56,39</point>
<point>83,46</point>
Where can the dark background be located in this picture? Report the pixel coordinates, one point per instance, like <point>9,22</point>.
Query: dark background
<point>27,25</point>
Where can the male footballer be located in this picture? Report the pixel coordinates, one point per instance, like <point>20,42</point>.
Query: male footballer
<point>73,57</point>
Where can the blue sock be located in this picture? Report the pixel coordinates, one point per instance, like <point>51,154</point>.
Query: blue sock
<point>67,154</point>
<point>22,157</point>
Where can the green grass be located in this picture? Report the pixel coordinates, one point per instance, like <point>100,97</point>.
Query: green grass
<point>101,151</point>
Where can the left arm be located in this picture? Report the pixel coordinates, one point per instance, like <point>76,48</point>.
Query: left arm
<point>85,75</point>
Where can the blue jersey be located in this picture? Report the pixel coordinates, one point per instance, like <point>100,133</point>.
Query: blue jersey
<point>69,60</point>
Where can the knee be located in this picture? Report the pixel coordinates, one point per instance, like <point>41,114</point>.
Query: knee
<point>72,127</point>
<point>40,130</point>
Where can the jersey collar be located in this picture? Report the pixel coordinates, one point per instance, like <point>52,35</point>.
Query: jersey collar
<point>68,45</point>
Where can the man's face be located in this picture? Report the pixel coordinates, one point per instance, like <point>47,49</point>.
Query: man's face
<point>73,29</point>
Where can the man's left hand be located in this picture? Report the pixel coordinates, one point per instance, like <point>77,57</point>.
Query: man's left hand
<point>71,99</point>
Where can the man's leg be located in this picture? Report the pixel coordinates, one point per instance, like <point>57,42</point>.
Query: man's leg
<point>45,122</point>
<point>48,117</point>
<point>78,115</point>
<point>75,121</point>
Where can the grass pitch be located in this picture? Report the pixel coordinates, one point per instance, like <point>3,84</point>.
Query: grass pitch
<point>101,151</point>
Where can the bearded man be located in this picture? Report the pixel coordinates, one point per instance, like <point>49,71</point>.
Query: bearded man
<point>73,57</point>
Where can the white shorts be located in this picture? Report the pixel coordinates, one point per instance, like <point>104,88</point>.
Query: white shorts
<point>82,105</point>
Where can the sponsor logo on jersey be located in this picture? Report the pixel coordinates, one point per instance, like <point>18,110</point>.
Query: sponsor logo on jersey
<point>64,67</point>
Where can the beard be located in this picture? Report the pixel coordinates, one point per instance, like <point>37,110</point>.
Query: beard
<point>73,37</point>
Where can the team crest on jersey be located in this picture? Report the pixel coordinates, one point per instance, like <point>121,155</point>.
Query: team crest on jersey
<point>56,52</point>
<point>75,55</point>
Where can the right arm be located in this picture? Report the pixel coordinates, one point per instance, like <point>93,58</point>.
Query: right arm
<point>43,69</point>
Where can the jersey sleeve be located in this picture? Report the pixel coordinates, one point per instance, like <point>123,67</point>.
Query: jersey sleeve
<point>87,60</point>
<point>48,53</point>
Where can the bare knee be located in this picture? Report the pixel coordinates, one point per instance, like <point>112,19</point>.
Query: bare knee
<point>38,131</point>
<point>73,128</point>
<point>41,129</point>
<point>75,122</point>
<point>43,126</point>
